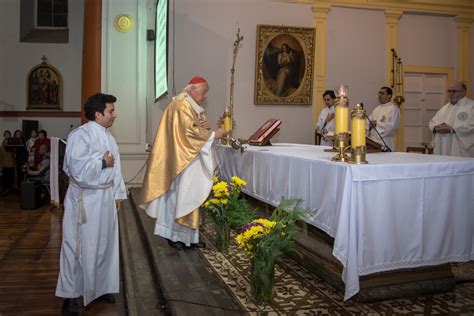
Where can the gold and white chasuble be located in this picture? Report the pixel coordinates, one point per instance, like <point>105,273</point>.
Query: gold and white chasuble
<point>179,175</point>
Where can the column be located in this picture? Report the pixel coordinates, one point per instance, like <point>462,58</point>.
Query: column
<point>91,51</point>
<point>463,28</point>
<point>391,21</point>
<point>320,12</point>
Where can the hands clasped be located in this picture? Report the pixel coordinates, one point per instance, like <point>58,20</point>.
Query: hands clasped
<point>443,128</point>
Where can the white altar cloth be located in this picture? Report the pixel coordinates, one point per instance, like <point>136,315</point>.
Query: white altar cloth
<point>402,210</point>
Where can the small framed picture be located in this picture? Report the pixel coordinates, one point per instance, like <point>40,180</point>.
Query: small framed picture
<point>44,87</point>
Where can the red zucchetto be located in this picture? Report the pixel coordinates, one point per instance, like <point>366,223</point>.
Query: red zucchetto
<point>197,79</point>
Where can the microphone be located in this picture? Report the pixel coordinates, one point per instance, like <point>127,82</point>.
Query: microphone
<point>384,148</point>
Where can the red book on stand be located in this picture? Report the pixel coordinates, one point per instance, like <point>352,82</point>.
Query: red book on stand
<point>263,135</point>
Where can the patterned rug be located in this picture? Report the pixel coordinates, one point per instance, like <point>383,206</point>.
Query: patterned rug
<point>300,292</point>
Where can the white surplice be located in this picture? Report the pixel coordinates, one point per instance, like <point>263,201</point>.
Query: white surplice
<point>323,128</point>
<point>89,261</point>
<point>388,119</point>
<point>460,117</point>
<point>188,191</point>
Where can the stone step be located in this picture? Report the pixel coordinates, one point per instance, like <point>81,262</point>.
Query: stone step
<point>142,295</point>
<point>188,284</point>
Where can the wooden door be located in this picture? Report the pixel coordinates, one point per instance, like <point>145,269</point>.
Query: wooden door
<point>424,94</point>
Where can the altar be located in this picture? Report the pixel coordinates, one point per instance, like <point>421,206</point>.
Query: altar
<point>400,211</point>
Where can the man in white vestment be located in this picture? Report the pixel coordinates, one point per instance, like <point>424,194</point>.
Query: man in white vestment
<point>385,119</point>
<point>453,124</point>
<point>180,168</point>
<point>326,120</point>
<point>89,261</point>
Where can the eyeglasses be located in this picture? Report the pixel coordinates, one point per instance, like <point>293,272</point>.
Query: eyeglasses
<point>454,91</point>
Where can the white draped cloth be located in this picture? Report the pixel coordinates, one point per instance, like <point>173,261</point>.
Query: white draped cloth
<point>188,191</point>
<point>388,120</point>
<point>54,172</point>
<point>89,261</point>
<point>402,210</point>
<point>460,117</point>
<point>324,128</point>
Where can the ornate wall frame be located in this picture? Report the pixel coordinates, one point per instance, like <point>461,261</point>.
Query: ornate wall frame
<point>44,88</point>
<point>284,65</point>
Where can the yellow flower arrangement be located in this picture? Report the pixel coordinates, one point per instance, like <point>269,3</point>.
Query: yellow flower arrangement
<point>266,240</point>
<point>226,207</point>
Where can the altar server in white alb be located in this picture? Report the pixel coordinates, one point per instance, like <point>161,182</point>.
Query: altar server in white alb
<point>326,120</point>
<point>386,119</point>
<point>89,261</point>
<point>453,124</point>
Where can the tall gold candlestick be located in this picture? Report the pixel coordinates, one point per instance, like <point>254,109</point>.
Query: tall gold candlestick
<point>341,142</point>
<point>358,135</point>
<point>358,127</point>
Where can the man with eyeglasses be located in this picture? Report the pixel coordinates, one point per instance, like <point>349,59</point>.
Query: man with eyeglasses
<point>453,124</point>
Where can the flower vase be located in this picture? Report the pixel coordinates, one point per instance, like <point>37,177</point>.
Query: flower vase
<point>222,237</point>
<point>262,279</point>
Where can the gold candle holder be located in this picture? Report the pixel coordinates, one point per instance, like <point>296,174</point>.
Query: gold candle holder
<point>358,155</point>
<point>359,149</point>
<point>227,124</point>
<point>341,140</point>
<point>341,144</point>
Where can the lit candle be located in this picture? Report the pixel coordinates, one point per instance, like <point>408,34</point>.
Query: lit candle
<point>357,131</point>
<point>342,119</point>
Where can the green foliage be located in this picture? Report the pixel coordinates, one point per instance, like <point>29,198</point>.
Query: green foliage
<point>226,205</point>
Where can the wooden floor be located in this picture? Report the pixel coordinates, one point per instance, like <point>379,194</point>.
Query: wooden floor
<point>30,243</point>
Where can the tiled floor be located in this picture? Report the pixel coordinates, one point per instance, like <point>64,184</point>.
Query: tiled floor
<point>300,292</point>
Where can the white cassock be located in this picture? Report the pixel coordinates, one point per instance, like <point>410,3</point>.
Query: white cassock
<point>322,128</point>
<point>188,191</point>
<point>388,119</point>
<point>460,117</point>
<point>89,261</point>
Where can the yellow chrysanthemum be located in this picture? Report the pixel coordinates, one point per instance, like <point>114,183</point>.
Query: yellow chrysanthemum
<point>237,181</point>
<point>265,222</point>
<point>214,201</point>
<point>216,179</point>
<point>223,201</point>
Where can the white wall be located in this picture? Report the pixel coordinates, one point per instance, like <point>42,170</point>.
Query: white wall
<point>16,59</point>
<point>428,41</point>
<point>471,65</point>
<point>356,53</point>
<point>204,36</point>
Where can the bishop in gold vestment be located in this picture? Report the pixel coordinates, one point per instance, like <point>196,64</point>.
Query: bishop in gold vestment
<point>180,168</point>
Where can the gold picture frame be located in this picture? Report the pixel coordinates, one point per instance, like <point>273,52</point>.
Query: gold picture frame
<point>284,65</point>
<point>44,87</point>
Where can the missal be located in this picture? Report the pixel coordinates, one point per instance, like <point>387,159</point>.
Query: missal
<point>262,136</point>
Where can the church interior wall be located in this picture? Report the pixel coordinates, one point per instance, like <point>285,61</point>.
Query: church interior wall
<point>356,53</point>
<point>471,65</point>
<point>17,58</point>
<point>205,33</point>
<point>204,36</point>
<point>428,40</point>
